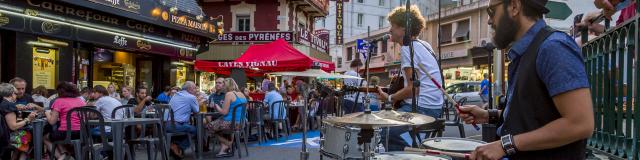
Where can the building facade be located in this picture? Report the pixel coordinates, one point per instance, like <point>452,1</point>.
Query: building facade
<point>360,16</point>
<point>464,32</point>
<point>99,42</point>
<point>255,22</point>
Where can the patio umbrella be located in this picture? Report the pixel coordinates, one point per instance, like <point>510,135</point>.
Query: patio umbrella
<point>314,73</point>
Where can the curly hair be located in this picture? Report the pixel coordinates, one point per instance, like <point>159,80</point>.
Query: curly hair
<point>397,17</point>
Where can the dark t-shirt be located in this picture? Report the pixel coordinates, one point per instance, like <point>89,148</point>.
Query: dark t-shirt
<point>134,101</point>
<point>6,107</point>
<point>24,100</point>
<point>216,98</point>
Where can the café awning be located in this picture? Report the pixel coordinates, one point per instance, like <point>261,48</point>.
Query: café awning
<point>271,57</point>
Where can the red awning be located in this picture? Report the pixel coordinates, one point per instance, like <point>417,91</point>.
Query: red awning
<point>272,57</point>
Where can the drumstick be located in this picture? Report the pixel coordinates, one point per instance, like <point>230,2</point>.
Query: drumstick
<point>431,151</point>
<point>445,93</point>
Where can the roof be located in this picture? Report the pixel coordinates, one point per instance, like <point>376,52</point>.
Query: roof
<point>189,6</point>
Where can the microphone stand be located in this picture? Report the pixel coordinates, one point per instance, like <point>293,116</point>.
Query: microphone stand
<point>408,41</point>
<point>304,154</point>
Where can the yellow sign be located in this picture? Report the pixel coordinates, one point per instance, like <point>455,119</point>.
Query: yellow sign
<point>44,67</point>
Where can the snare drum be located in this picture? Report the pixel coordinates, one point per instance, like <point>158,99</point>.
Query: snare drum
<point>408,156</point>
<point>341,142</point>
<point>452,144</point>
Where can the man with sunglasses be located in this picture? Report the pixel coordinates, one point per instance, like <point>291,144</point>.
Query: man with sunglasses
<point>548,112</point>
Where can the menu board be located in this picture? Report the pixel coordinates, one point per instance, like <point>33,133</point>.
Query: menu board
<point>44,67</point>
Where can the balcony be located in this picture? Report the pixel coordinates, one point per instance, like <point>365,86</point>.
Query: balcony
<point>316,8</point>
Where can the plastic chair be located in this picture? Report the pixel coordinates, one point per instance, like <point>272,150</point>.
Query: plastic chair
<point>254,116</point>
<point>281,119</point>
<point>237,128</point>
<point>85,142</point>
<point>148,142</point>
<point>164,109</point>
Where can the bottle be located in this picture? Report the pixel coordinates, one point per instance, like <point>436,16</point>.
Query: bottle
<point>380,148</point>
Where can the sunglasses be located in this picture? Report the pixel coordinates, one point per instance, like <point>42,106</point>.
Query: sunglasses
<point>491,10</point>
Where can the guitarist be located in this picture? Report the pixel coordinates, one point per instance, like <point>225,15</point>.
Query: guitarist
<point>349,103</point>
<point>430,99</point>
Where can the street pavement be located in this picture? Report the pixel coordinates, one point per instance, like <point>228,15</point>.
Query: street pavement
<point>289,148</point>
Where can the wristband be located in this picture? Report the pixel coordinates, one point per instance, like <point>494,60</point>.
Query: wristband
<point>494,116</point>
<point>507,145</point>
<point>389,98</point>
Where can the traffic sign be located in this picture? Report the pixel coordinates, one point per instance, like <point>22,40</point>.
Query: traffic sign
<point>362,46</point>
<point>558,10</point>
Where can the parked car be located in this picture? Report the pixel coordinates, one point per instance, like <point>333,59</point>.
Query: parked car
<point>465,89</point>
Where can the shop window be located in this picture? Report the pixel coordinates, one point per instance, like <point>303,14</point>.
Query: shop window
<point>381,2</point>
<point>381,21</point>
<point>244,23</point>
<point>115,67</point>
<point>462,31</point>
<point>360,19</point>
<point>360,1</point>
<point>339,62</point>
<point>445,34</point>
<point>349,53</point>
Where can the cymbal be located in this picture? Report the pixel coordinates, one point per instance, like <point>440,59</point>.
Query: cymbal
<point>414,119</point>
<point>366,120</point>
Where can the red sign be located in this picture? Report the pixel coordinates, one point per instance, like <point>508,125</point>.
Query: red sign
<point>255,36</point>
<point>314,41</point>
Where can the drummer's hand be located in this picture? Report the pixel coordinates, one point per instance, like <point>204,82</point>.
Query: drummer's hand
<point>491,151</point>
<point>473,114</point>
<point>148,98</point>
<point>382,95</point>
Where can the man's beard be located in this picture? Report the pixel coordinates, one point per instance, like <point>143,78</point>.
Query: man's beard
<point>505,32</point>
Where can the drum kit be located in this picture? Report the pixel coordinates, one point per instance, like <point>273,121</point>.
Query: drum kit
<point>353,136</point>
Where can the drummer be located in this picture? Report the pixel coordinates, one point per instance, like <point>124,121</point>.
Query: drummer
<point>430,99</point>
<point>549,113</point>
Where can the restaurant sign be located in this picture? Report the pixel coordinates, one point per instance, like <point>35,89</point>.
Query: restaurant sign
<point>314,41</point>
<point>454,54</point>
<point>127,5</point>
<point>255,36</point>
<point>248,64</point>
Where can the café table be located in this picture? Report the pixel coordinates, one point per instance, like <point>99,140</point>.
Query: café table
<point>200,134</point>
<point>117,130</point>
<point>38,136</point>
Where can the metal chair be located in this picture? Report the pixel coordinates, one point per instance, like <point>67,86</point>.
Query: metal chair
<point>161,111</point>
<point>255,112</point>
<point>142,139</point>
<point>456,119</point>
<point>281,119</point>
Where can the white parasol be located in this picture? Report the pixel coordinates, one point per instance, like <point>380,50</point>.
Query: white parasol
<point>314,73</point>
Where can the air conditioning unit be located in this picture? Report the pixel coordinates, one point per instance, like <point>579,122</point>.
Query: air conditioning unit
<point>483,41</point>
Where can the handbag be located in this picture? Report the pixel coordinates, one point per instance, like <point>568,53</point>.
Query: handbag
<point>20,139</point>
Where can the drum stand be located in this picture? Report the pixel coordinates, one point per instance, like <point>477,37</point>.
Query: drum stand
<point>364,139</point>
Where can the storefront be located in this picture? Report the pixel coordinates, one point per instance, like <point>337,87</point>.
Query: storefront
<point>94,43</point>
